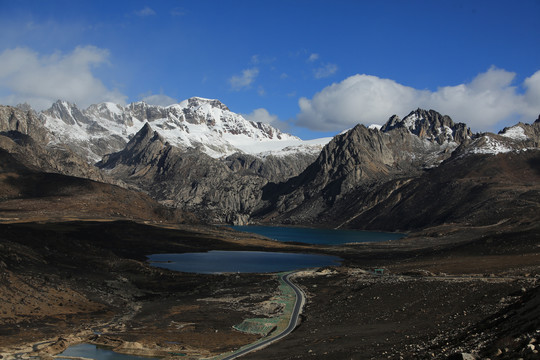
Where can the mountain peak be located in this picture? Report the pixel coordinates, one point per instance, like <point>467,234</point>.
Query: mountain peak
<point>68,112</point>
<point>195,102</point>
<point>431,125</point>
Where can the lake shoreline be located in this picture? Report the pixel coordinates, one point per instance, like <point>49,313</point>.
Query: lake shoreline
<point>88,284</point>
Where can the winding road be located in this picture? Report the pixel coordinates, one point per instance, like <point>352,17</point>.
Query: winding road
<point>298,304</point>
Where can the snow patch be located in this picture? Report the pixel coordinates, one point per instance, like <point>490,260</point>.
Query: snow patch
<point>201,123</point>
<point>515,132</point>
<point>410,121</point>
<point>489,145</point>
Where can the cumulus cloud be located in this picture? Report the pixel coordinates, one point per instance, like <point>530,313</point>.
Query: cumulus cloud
<point>489,99</point>
<point>532,96</point>
<point>238,82</point>
<point>262,115</point>
<point>39,80</point>
<point>325,71</point>
<point>159,99</point>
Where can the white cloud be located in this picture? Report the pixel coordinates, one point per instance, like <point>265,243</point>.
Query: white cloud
<point>313,57</point>
<point>262,115</point>
<point>532,96</point>
<point>26,76</point>
<point>159,99</point>
<point>146,11</point>
<point>325,71</point>
<point>239,82</point>
<point>489,99</point>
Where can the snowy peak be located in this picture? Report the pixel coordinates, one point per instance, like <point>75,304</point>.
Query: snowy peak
<point>205,124</point>
<point>195,103</point>
<point>430,125</point>
<point>110,112</point>
<point>217,117</point>
<point>67,112</point>
<point>523,132</point>
<point>516,132</point>
<point>520,137</point>
<point>145,134</point>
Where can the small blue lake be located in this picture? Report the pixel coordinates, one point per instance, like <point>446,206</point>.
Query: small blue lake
<point>215,261</point>
<point>319,236</point>
<point>94,352</point>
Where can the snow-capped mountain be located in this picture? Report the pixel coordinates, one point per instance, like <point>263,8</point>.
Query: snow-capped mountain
<point>204,124</point>
<point>430,125</point>
<point>517,138</point>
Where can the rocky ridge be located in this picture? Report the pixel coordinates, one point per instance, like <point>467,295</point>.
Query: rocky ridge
<point>173,157</point>
<point>193,133</point>
<point>218,190</point>
<point>204,124</point>
<point>366,158</point>
<point>23,136</point>
<point>413,173</point>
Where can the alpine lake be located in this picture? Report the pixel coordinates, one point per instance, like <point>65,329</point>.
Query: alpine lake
<point>266,262</point>
<point>247,262</point>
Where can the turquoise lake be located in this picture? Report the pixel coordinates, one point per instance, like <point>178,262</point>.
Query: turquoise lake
<point>213,262</point>
<point>319,236</point>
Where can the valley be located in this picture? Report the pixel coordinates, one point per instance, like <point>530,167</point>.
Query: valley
<point>94,286</point>
<point>87,195</point>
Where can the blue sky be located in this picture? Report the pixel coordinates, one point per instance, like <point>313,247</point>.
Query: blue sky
<point>312,68</point>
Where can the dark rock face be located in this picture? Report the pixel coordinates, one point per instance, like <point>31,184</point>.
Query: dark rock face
<point>407,175</point>
<point>364,158</point>
<point>185,179</point>
<point>429,124</point>
<point>22,134</point>
<point>404,177</point>
<point>272,168</point>
<point>27,192</point>
<point>24,121</point>
<point>222,190</point>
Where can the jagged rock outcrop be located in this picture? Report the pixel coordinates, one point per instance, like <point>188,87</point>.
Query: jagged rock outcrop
<point>272,168</point>
<point>23,120</point>
<point>190,180</point>
<point>204,124</point>
<point>511,139</point>
<point>24,136</point>
<point>365,158</point>
<point>429,124</point>
<point>387,180</point>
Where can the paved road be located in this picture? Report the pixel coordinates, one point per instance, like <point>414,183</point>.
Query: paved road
<point>299,302</point>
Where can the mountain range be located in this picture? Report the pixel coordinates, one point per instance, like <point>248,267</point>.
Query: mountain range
<point>198,156</point>
<point>203,124</point>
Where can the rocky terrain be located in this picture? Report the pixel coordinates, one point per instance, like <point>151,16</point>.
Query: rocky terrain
<point>217,190</point>
<point>394,179</point>
<point>30,194</point>
<point>74,236</point>
<point>204,124</point>
<point>355,182</point>
<point>235,157</point>
<point>437,297</point>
